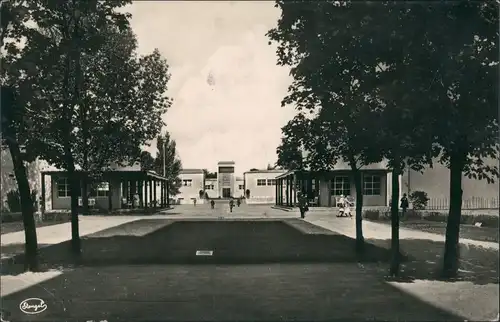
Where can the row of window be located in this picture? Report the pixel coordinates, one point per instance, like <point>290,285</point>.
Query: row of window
<point>63,189</point>
<point>341,185</point>
<point>212,187</point>
<point>266,182</point>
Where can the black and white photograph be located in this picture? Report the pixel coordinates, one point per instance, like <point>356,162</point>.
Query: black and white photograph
<point>275,160</point>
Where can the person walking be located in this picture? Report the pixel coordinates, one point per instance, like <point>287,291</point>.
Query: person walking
<point>238,202</point>
<point>303,207</point>
<point>231,205</point>
<point>404,204</point>
<point>212,203</point>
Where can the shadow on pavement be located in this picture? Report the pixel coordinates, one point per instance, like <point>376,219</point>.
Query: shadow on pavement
<point>157,241</point>
<point>477,264</point>
<point>13,227</point>
<point>265,292</point>
<point>282,274</point>
<point>486,234</point>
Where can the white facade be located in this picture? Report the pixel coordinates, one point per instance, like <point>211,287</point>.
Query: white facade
<point>212,188</point>
<point>262,186</point>
<point>239,187</point>
<point>435,181</point>
<point>192,181</point>
<point>226,179</point>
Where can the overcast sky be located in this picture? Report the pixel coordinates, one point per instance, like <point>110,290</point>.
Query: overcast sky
<point>225,83</point>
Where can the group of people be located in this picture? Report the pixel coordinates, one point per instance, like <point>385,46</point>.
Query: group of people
<point>344,204</point>
<point>231,203</point>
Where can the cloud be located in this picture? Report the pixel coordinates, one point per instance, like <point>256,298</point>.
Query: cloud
<point>226,86</point>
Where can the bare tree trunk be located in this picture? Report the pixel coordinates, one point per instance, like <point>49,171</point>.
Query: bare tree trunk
<point>85,193</point>
<point>358,183</point>
<point>69,161</point>
<point>74,182</point>
<point>451,249</point>
<point>9,134</point>
<point>396,257</point>
<point>83,114</point>
<point>30,239</point>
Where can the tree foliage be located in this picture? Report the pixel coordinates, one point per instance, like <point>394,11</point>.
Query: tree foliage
<point>460,48</point>
<point>209,175</point>
<point>90,99</point>
<point>384,85</point>
<point>147,161</point>
<point>13,16</point>
<point>333,80</point>
<point>290,151</point>
<point>173,164</point>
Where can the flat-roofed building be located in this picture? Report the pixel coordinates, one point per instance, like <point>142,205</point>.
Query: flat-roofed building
<point>324,188</point>
<point>212,187</point>
<point>239,187</point>
<point>260,186</point>
<point>222,184</point>
<point>435,181</point>
<point>192,182</point>
<point>226,178</point>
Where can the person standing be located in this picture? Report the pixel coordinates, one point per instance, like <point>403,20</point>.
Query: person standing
<point>404,204</point>
<point>347,206</point>
<point>341,205</point>
<point>302,204</point>
<point>194,202</point>
<point>238,202</point>
<point>212,203</point>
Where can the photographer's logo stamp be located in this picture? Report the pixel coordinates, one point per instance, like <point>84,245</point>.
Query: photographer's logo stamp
<point>33,306</point>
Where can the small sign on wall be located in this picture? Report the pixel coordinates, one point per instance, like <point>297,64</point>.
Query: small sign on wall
<point>204,252</point>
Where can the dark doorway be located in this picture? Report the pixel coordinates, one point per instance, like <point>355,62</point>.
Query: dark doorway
<point>226,192</point>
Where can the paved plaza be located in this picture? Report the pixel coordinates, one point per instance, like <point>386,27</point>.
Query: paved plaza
<point>339,287</point>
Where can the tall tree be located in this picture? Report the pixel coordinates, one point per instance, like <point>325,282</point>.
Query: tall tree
<point>11,120</point>
<point>13,15</point>
<point>147,161</point>
<point>461,52</point>
<point>425,84</point>
<point>61,35</point>
<point>119,99</point>
<point>172,165</point>
<point>290,151</point>
<point>209,175</point>
<point>330,81</point>
<point>433,107</point>
<point>384,85</point>
<point>94,101</point>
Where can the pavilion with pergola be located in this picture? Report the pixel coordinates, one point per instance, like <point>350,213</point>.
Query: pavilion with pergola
<point>116,189</point>
<point>289,183</point>
<point>323,188</point>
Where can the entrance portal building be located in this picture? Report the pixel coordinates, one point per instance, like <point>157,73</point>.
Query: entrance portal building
<point>226,178</point>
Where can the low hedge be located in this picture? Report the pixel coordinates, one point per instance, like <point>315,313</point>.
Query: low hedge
<point>465,219</point>
<point>7,217</point>
<point>56,216</point>
<point>11,217</point>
